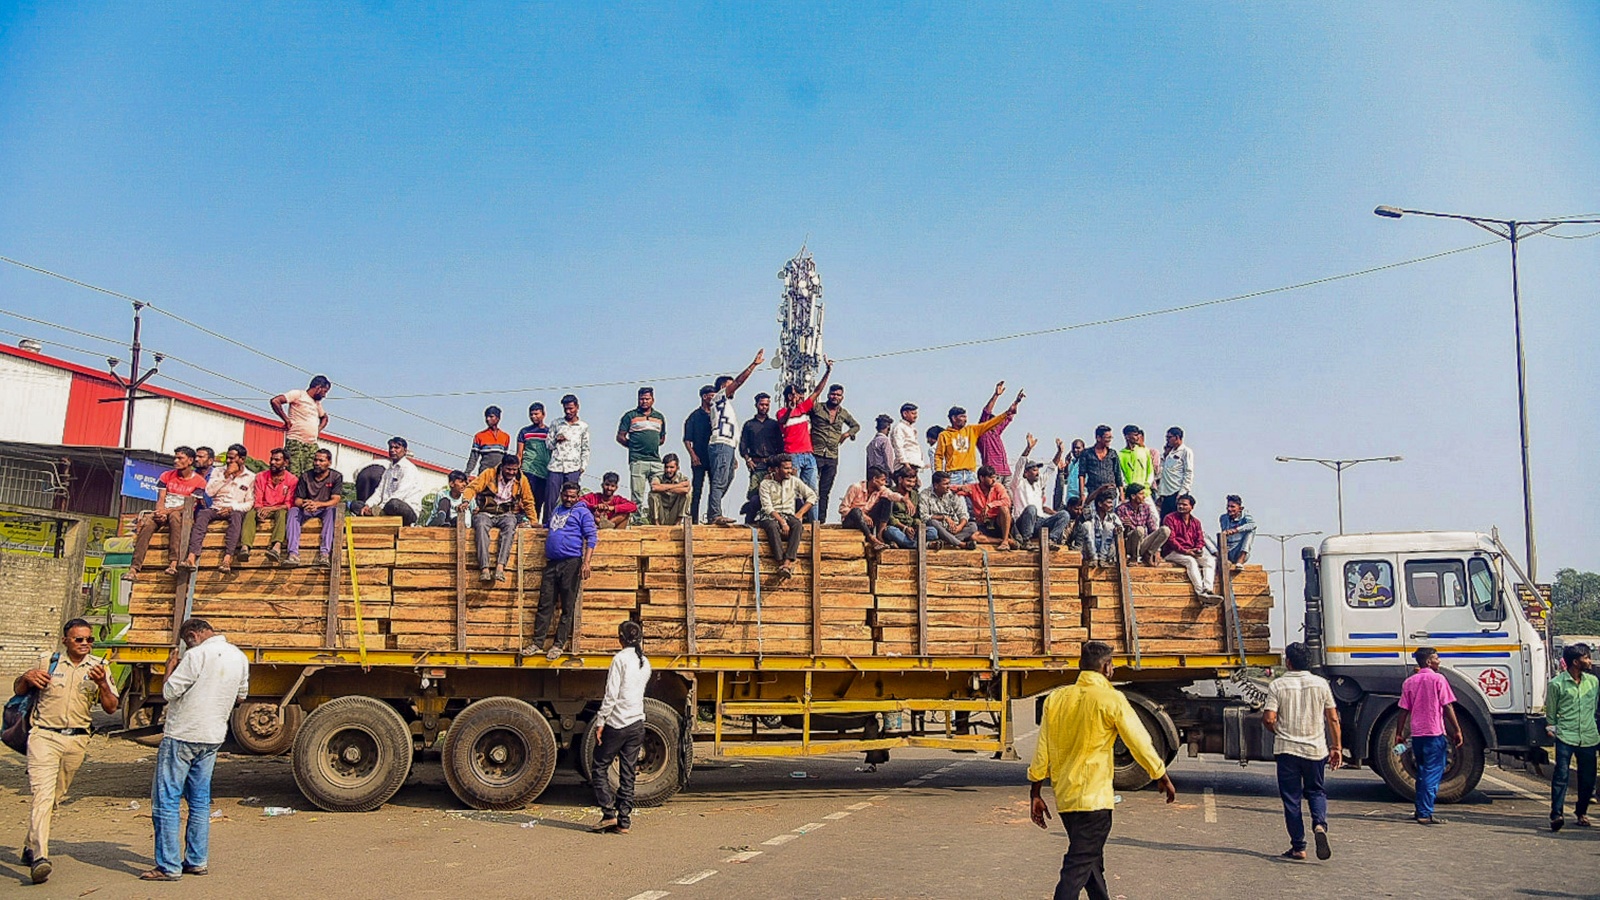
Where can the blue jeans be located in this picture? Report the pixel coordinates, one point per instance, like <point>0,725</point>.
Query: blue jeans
<point>721,472</point>
<point>959,477</point>
<point>1562,773</point>
<point>1428,753</point>
<point>805,465</point>
<point>1239,545</point>
<point>1030,523</point>
<point>1300,779</point>
<point>183,772</point>
<point>895,536</point>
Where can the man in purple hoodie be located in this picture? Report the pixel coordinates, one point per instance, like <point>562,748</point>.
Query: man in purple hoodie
<point>567,550</point>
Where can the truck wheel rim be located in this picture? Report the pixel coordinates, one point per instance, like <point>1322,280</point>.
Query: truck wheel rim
<point>352,757</point>
<point>499,756</point>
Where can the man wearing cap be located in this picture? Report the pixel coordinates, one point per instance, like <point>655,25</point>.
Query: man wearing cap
<point>1028,510</point>
<point>67,684</point>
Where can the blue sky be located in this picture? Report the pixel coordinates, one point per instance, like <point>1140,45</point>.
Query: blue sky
<point>421,199</point>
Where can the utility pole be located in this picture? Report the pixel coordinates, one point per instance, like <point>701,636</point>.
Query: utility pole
<point>131,395</point>
<point>1338,466</point>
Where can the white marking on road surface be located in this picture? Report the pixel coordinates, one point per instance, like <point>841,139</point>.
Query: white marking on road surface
<point>858,807</point>
<point>944,770</point>
<point>876,799</point>
<point>1520,792</point>
<point>1209,798</point>
<point>809,826</point>
<point>1024,736</point>
<point>915,781</point>
<point>696,877</point>
<point>650,895</point>
<point>836,816</point>
<point>780,840</point>
<point>746,856</point>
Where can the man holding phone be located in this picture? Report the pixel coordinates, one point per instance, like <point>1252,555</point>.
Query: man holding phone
<point>67,683</point>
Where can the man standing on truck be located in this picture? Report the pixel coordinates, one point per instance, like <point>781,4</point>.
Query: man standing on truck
<point>569,454</point>
<point>1299,705</point>
<point>65,684</point>
<point>1426,714</point>
<point>303,421</point>
<point>1076,751</point>
<point>567,549</point>
<point>201,690</point>
<point>1569,713</point>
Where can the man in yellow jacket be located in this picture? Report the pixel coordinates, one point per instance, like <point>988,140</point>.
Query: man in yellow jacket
<point>504,499</point>
<point>1075,752</point>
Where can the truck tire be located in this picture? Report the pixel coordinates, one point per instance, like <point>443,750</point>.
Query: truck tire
<point>1463,766</point>
<point>1129,775</point>
<point>258,728</point>
<point>145,717</point>
<point>499,753</point>
<point>352,754</point>
<point>660,773</point>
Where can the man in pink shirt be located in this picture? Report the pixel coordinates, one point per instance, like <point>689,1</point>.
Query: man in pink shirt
<point>1426,715</point>
<point>274,497</point>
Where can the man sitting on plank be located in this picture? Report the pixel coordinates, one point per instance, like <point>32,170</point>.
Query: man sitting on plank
<point>176,484</point>
<point>669,493</point>
<point>504,499</point>
<point>317,496</point>
<point>780,518</point>
<point>610,509</point>
<point>274,497</point>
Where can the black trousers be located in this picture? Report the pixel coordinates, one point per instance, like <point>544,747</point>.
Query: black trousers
<point>620,744</point>
<point>785,549</point>
<point>827,470</point>
<point>563,578</point>
<point>1084,866</point>
<point>869,522</point>
<point>699,481</point>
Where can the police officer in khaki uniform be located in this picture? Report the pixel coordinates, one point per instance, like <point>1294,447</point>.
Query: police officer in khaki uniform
<point>60,732</point>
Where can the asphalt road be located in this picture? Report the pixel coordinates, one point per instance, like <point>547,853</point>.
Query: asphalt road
<point>927,825</point>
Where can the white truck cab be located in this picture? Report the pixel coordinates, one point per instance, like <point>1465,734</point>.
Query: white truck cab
<point>1373,599</point>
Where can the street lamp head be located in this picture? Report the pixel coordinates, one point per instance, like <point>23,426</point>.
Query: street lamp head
<point>1389,212</point>
<point>1283,459</point>
<point>1394,458</point>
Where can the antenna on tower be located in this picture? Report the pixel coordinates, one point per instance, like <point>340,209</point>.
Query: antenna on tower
<point>799,356</point>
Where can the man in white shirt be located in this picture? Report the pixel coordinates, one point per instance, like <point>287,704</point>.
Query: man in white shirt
<point>201,691</point>
<point>568,441</point>
<point>905,448</point>
<point>232,488</point>
<point>1029,514</point>
<point>401,491</point>
<point>1298,705</point>
<point>1175,474</point>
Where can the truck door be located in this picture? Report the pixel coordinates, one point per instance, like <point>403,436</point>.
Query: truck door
<point>1453,604</point>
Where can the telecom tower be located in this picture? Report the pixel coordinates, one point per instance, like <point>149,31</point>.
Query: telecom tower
<point>799,356</point>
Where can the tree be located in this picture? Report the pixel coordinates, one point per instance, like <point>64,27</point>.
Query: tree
<point>1575,602</point>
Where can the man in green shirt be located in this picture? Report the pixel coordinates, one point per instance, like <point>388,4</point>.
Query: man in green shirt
<point>1569,713</point>
<point>1137,462</point>
<point>643,431</point>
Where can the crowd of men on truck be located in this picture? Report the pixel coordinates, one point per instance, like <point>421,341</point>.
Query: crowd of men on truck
<point>1082,497</point>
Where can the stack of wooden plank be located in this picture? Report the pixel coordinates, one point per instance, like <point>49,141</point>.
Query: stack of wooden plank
<point>958,586</point>
<point>1171,619</point>
<point>725,594</point>
<point>261,604</point>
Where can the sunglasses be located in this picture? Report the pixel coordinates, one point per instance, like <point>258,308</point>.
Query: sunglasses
<point>78,640</point>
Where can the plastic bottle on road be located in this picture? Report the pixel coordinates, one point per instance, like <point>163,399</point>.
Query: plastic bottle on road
<point>278,811</point>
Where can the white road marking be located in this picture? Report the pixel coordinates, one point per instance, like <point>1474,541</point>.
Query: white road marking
<point>1024,736</point>
<point>696,877</point>
<point>876,799</point>
<point>650,895</point>
<point>858,807</point>
<point>780,840</point>
<point>1209,799</point>
<point>809,827</point>
<point>1519,791</point>
<point>915,781</point>
<point>746,856</point>
<point>836,816</point>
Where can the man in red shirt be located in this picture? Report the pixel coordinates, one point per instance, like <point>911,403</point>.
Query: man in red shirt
<point>795,420</point>
<point>1187,548</point>
<point>991,509</point>
<point>177,485</point>
<point>610,509</point>
<point>274,497</point>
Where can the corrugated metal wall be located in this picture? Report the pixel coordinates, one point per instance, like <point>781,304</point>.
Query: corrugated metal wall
<point>35,406</point>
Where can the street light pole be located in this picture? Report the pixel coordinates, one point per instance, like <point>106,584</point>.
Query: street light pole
<point>130,389</point>
<point>1338,466</point>
<point>1511,231</point>
<point>1283,555</point>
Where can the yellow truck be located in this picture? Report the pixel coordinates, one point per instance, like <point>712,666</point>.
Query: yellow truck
<point>397,646</point>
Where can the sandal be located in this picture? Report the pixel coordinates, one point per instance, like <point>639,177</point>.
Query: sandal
<point>171,569</point>
<point>1294,854</point>
<point>158,875</point>
<point>1582,822</point>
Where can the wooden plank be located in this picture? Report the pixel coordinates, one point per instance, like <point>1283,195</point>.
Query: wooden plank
<point>1044,593</point>
<point>335,563</point>
<point>688,583</point>
<point>1130,631</point>
<point>922,591</point>
<point>816,591</point>
<point>461,584</point>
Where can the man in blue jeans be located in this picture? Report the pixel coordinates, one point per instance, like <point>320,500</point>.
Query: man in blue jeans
<point>1426,715</point>
<point>201,690</point>
<point>1569,713</point>
<point>1301,715</point>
